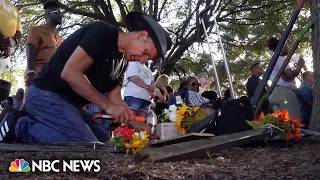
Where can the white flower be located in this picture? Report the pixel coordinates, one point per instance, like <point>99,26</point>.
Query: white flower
<point>140,134</point>
<point>172,108</point>
<point>166,116</point>
<point>173,116</point>
<point>165,111</point>
<point>137,134</point>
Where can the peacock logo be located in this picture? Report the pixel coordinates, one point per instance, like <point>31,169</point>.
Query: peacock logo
<point>19,165</point>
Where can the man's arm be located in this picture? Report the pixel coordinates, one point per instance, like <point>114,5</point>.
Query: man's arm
<point>33,43</point>
<point>291,74</point>
<point>17,37</point>
<point>73,74</point>
<point>138,81</point>
<point>251,86</point>
<point>115,96</point>
<point>31,56</point>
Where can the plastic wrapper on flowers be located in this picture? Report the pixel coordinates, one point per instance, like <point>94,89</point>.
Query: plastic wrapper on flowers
<point>187,116</point>
<point>183,117</point>
<point>129,141</point>
<point>289,125</point>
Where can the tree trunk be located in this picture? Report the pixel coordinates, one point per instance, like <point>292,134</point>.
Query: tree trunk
<point>315,13</point>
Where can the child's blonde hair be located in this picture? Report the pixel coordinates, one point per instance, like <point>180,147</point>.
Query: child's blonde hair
<point>163,81</point>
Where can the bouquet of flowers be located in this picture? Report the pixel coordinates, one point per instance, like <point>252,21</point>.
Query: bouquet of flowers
<point>186,116</point>
<point>169,115</point>
<point>289,125</point>
<point>129,141</point>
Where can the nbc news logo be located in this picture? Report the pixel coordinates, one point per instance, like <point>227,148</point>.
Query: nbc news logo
<point>20,165</point>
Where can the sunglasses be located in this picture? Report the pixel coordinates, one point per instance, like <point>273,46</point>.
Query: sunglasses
<point>195,84</point>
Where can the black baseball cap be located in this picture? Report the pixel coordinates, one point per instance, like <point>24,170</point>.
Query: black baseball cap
<point>138,21</point>
<point>51,4</point>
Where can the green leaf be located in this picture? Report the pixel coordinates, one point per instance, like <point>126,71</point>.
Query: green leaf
<point>286,126</point>
<point>283,135</point>
<point>255,124</point>
<point>201,114</point>
<point>270,119</point>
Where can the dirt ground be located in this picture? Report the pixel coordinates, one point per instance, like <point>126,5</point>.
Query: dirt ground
<point>298,160</point>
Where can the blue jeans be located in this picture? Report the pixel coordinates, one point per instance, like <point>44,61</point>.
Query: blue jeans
<point>137,104</point>
<point>52,118</point>
<point>94,109</point>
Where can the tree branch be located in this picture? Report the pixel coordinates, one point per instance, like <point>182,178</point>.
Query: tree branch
<point>67,27</point>
<point>79,12</point>
<point>156,8</point>
<point>161,9</point>
<point>110,15</point>
<point>234,11</point>
<point>122,9</point>
<point>150,9</point>
<point>19,6</point>
<point>137,5</point>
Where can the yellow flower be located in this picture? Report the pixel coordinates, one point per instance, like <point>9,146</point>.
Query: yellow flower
<point>184,110</point>
<point>195,109</point>
<point>182,113</point>
<point>138,142</point>
<point>178,125</point>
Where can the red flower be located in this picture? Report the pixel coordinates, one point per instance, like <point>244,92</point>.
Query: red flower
<point>294,133</point>
<point>125,132</point>
<point>297,123</point>
<point>259,117</point>
<point>285,116</point>
<point>277,113</point>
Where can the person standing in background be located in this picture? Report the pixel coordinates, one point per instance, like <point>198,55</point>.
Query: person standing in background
<point>16,100</point>
<point>254,79</point>
<point>43,40</point>
<point>139,89</point>
<point>284,96</point>
<point>306,98</point>
<point>252,84</point>
<point>204,82</point>
<point>10,28</point>
<point>161,94</point>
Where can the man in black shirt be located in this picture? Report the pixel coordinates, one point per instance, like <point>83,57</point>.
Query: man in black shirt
<point>254,79</point>
<point>253,82</point>
<point>88,64</point>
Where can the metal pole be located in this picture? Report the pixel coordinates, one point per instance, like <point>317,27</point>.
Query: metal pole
<point>285,63</point>
<point>212,59</point>
<point>262,84</point>
<point>226,65</point>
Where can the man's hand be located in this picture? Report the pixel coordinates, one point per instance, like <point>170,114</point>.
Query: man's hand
<point>120,112</point>
<point>151,87</point>
<point>151,95</point>
<point>30,78</point>
<point>138,126</point>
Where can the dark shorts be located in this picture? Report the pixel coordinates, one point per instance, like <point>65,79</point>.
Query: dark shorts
<point>137,104</point>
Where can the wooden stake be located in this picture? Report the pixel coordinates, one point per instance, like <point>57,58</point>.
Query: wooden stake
<point>309,132</point>
<point>199,148</point>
